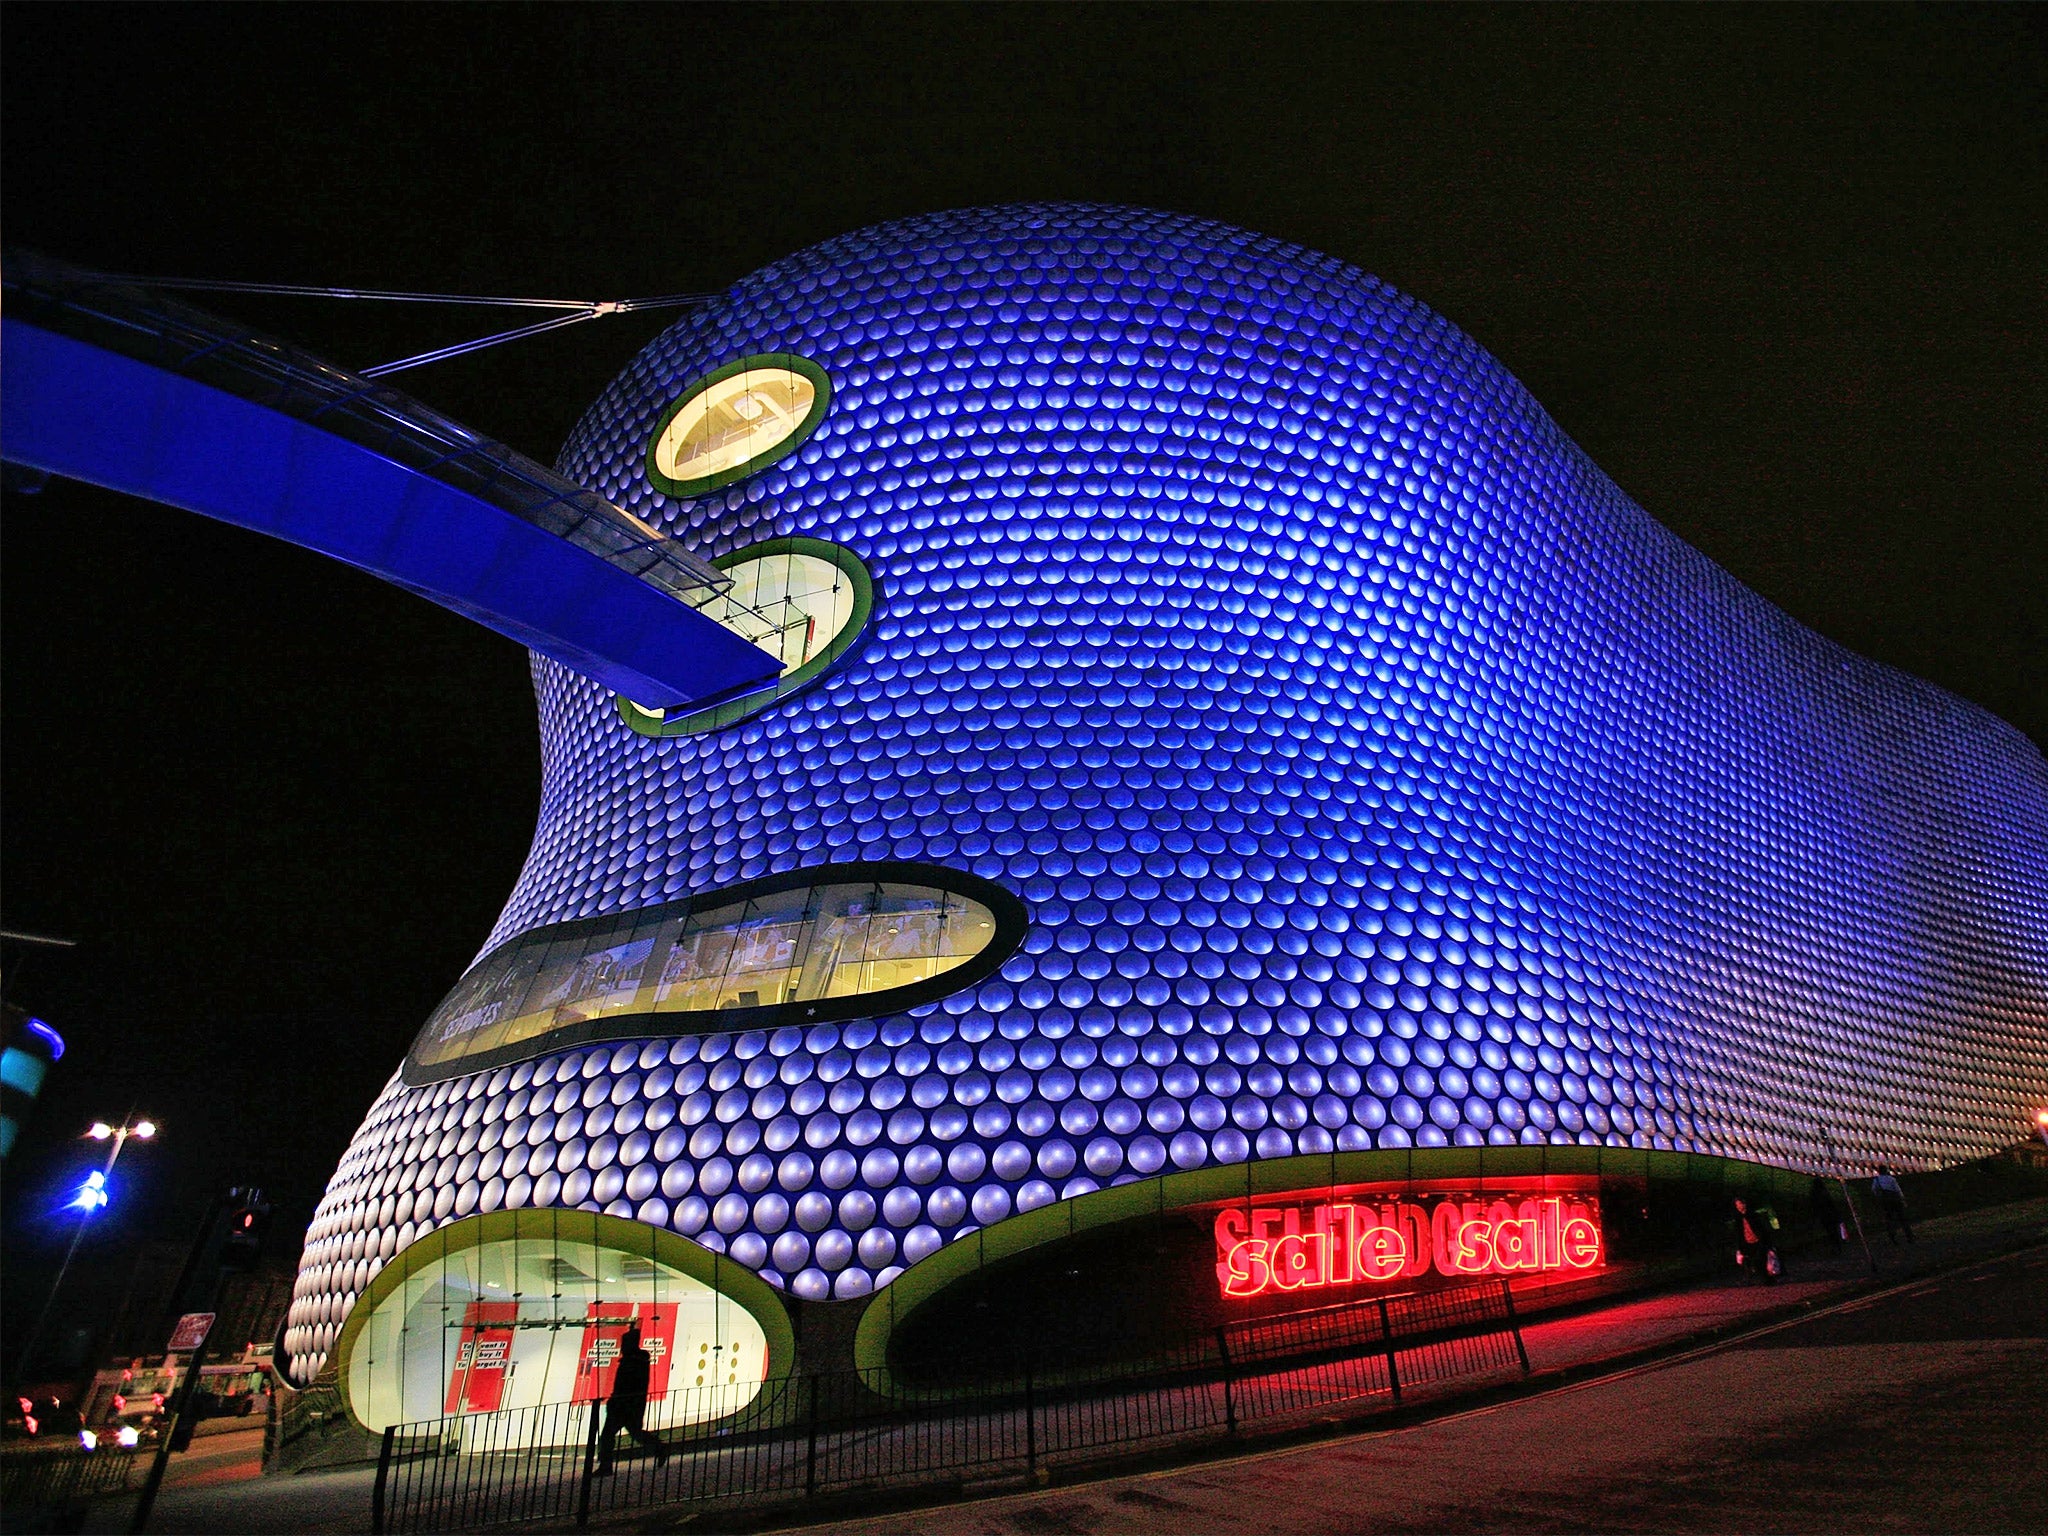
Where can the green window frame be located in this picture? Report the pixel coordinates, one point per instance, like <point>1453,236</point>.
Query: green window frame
<point>694,722</point>
<point>787,361</point>
<point>565,985</point>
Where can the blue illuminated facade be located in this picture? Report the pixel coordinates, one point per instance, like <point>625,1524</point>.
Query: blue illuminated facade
<point>1372,773</point>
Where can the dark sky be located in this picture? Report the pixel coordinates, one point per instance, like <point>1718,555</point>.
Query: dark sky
<point>1781,273</point>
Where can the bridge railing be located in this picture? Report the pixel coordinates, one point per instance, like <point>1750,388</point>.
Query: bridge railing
<point>137,322</point>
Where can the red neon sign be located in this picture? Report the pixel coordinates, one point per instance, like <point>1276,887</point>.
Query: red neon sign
<point>1338,1243</point>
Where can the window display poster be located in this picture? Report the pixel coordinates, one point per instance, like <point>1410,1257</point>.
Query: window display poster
<point>606,1326</point>
<point>483,1354</point>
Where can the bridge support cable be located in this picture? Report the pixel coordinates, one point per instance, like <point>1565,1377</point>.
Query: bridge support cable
<point>122,388</point>
<point>577,310</point>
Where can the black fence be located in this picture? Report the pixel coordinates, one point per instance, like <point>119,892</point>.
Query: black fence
<point>38,1488</point>
<point>807,1435</point>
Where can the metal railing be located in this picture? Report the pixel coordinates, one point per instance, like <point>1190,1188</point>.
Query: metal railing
<point>134,321</point>
<point>804,1436</point>
<point>35,1483</point>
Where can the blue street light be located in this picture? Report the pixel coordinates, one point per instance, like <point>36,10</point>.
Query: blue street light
<point>92,1194</point>
<point>91,1197</point>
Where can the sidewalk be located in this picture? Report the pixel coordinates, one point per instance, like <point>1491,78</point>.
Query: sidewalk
<point>1581,1343</point>
<point>1565,1349</point>
<point>1910,1409</point>
<point>1562,1349</point>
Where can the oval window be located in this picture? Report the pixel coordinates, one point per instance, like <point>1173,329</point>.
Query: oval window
<point>801,600</point>
<point>846,941</point>
<point>523,1309</point>
<point>730,423</point>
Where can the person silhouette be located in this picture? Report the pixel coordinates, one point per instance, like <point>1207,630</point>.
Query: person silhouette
<point>1891,1199</point>
<point>1756,1250</point>
<point>626,1408</point>
<point>1825,1217</point>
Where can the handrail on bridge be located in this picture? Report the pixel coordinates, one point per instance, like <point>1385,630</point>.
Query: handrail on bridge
<point>127,318</point>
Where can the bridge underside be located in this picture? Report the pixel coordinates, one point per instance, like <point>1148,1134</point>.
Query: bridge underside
<point>576,585</point>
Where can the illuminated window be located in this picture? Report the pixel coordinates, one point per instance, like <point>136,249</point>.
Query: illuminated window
<point>742,418</point>
<point>520,1310</point>
<point>801,600</point>
<point>875,939</point>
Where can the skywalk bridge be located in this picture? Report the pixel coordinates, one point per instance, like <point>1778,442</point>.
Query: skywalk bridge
<point>106,381</point>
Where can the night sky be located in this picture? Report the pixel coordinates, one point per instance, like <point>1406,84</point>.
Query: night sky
<point>1782,273</point>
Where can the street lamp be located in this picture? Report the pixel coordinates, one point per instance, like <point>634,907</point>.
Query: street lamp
<point>91,1196</point>
<point>99,1130</point>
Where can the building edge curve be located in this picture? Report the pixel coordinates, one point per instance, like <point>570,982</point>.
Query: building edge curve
<point>1374,772</point>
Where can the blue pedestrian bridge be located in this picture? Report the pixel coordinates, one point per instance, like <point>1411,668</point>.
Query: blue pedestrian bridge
<point>108,382</point>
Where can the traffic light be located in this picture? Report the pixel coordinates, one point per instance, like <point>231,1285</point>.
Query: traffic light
<point>248,1221</point>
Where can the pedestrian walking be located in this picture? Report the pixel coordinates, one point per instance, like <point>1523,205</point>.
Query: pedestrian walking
<point>626,1408</point>
<point>1891,1199</point>
<point>1825,1216</point>
<point>1757,1250</point>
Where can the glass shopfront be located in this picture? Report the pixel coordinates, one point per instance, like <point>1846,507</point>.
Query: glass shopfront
<point>522,1309</point>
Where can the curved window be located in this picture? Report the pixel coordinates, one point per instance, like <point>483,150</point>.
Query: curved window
<point>519,1314</point>
<point>733,422</point>
<point>839,942</point>
<point>801,600</point>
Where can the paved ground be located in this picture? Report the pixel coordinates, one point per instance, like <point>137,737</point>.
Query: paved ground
<point>1923,1410</point>
<point>218,1486</point>
<point>1926,1410</point>
<point>228,1456</point>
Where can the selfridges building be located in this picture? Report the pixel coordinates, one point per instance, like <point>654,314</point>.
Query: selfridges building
<point>1227,733</point>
